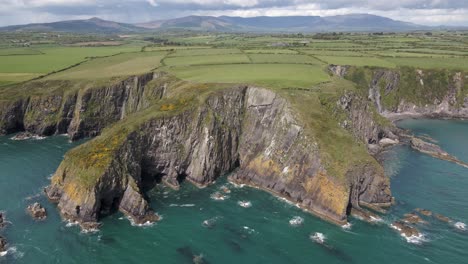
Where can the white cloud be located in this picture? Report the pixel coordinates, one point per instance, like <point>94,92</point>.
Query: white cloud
<point>429,12</point>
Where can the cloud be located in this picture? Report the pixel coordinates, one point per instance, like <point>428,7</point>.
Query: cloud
<point>429,12</point>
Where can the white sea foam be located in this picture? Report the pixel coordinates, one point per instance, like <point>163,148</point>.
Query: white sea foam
<point>71,223</point>
<point>181,205</point>
<point>460,226</point>
<point>90,231</point>
<point>245,204</point>
<point>249,230</point>
<point>296,221</point>
<point>12,251</point>
<point>347,226</point>
<point>237,185</point>
<point>217,196</point>
<point>210,222</point>
<point>419,239</point>
<point>375,219</point>
<point>318,237</point>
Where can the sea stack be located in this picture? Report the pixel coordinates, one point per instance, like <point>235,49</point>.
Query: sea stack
<point>37,211</point>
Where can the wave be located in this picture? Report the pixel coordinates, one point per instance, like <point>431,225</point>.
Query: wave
<point>347,226</point>
<point>181,205</point>
<point>413,239</point>
<point>460,226</point>
<point>12,251</point>
<point>145,224</point>
<point>249,230</point>
<point>245,204</point>
<point>71,223</point>
<point>210,223</point>
<point>217,196</point>
<point>296,221</point>
<point>318,237</point>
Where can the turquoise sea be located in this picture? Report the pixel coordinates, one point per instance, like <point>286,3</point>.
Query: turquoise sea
<point>234,234</point>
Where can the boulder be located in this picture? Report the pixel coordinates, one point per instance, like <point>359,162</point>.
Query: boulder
<point>385,142</point>
<point>37,211</point>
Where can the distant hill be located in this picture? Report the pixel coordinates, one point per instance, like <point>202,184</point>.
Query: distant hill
<point>307,24</point>
<point>352,22</point>
<point>93,25</point>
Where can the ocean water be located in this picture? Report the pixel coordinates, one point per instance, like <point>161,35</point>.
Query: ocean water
<point>194,224</point>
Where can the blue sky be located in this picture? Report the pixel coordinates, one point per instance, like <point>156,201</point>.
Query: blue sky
<point>426,12</point>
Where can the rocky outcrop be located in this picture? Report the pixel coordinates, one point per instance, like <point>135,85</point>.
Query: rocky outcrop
<point>434,151</point>
<point>339,70</point>
<point>252,130</point>
<point>37,212</point>
<point>80,112</point>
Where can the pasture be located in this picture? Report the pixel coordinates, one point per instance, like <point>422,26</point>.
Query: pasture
<point>244,57</point>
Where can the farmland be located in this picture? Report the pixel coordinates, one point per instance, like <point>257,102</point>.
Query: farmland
<point>291,60</point>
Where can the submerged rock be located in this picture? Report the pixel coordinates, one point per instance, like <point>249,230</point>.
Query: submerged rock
<point>442,218</point>
<point>423,212</point>
<point>413,219</point>
<point>22,136</point>
<point>2,221</point>
<point>37,211</point>
<point>3,244</point>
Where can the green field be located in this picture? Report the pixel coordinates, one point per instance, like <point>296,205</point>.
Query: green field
<point>207,59</point>
<point>283,58</point>
<point>50,54</point>
<point>271,75</point>
<point>357,61</point>
<point>125,64</point>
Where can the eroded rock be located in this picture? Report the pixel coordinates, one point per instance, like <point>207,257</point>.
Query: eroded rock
<point>37,211</point>
<point>405,229</point>
<point>248,128</point>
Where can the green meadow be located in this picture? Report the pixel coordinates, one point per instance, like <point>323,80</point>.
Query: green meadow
<point>291,60</point>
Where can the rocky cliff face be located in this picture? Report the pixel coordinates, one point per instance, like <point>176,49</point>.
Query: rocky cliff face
<point>251,130</point>
<point>410,92</point>
<point>80,113</point>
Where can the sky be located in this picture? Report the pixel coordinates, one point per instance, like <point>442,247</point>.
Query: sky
<point>424,12</point>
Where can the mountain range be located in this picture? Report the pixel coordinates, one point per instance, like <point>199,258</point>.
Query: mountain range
<point>308,24</point>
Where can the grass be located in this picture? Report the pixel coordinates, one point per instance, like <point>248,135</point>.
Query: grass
<point>271,51</point>
<point>207,59</point>
<point>19,51</point>
<point>283,58</point>
<point>358,61</point>
<point>115,66</point>
<point>52,59</point>
<point>270,75</point>
<point>432,63</point>
<point>204,52</point>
